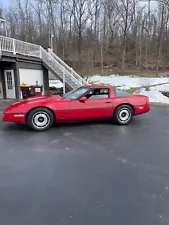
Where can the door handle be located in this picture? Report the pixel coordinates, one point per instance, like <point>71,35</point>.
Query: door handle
<point>108,102</point>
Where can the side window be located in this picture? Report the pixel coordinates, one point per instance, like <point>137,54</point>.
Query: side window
<point>98,93</point>
<point>121,93</point>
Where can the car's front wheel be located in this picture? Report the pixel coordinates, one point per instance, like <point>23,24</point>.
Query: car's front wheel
<point>40,119</point>
<point>123,114</point>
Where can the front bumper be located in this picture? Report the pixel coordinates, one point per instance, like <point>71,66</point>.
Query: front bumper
<point>142,109</point>
<point>14,117</point>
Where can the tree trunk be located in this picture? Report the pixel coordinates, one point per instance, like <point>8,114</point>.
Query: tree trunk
<point>124,54</point>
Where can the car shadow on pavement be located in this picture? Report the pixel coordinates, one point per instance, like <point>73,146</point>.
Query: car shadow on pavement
<point>14,127</point>
<point>6,127</point>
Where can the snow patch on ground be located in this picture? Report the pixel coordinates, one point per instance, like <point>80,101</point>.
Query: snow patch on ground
<point>126,82</point>
<point>154,96</point>
<point>162,87</point>
<point>55,83</point>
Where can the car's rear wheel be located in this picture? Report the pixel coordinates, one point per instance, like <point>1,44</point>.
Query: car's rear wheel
<point>123,114</point>
<point>40,119</point>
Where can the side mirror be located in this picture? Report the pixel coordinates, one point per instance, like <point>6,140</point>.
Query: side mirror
<point>83,99</point>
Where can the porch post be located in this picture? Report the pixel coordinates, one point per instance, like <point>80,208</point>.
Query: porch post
<point>64,91</point>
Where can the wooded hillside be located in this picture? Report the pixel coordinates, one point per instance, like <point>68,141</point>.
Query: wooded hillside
<point>89,34</point>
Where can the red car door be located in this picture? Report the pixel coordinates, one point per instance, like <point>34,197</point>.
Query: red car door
<point>96,107</point>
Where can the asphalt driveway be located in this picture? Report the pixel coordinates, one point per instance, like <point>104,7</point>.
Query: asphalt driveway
<point>86,174</point>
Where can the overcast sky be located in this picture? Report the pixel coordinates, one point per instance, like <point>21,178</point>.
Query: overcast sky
<point>4,2</point>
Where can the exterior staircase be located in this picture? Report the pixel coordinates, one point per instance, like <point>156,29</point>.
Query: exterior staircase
<point>50,60</point>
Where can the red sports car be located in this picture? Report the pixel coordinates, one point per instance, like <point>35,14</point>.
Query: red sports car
<point>82,104</point>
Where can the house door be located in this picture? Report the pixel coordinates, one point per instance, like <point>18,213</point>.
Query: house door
<point>10,84</point>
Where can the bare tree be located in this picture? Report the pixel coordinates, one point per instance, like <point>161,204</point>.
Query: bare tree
<point>95,32</point>
<point>80,11</point>
<point>126,11</point>
<point>161,30</point>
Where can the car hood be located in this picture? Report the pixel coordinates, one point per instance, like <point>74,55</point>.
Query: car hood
<point>42,98</point>
<point>33,100</point>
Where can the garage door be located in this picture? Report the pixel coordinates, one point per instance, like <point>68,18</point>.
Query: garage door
<point>28,76</point>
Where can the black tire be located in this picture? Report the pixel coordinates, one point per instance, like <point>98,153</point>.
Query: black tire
<point>40,119</point>
<point>123,115</point>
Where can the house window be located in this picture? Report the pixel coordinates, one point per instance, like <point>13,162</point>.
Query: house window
<point>9,80</point>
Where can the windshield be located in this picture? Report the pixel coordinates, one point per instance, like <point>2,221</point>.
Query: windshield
<point>76,94</point>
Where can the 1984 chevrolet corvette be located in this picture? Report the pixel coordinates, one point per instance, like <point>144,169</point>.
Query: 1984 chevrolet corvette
<point>82,104</point>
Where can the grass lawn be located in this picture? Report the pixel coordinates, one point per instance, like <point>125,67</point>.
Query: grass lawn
<point>159,104</point>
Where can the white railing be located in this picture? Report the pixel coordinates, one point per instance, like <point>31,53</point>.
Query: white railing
<point>25,48</point>
<point>6,44</point>
<point>60,70</point>
<point>71,71</point>
<point>19,47</point>
<point>58,66</point>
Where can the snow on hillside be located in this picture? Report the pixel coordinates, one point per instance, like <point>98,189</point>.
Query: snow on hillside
<point>162,87</point>
<point>154,96</point>
<point>126,82</point>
